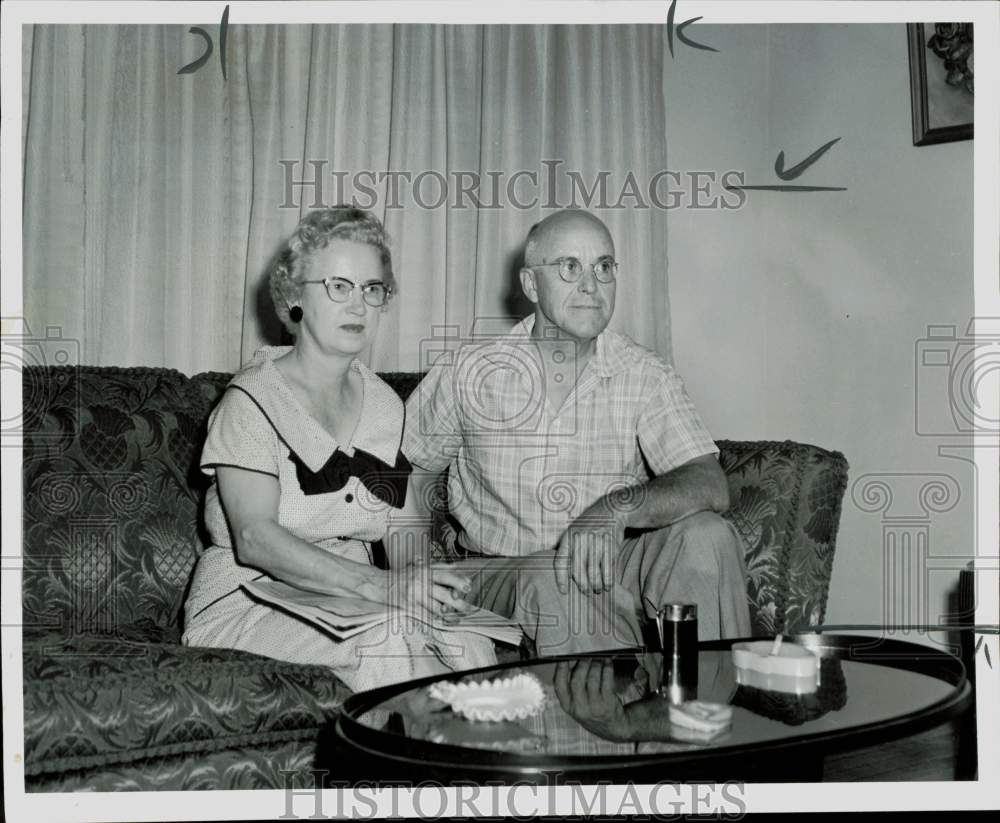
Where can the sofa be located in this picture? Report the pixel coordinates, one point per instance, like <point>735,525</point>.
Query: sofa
<point>112,496</point>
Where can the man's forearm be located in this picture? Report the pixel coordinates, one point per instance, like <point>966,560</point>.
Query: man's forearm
<point>697,486</point>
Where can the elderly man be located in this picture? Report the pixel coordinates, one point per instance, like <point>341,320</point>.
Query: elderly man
<point>560,436</point>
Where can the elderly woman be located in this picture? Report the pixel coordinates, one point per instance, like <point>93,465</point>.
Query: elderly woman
<point>304,449</point>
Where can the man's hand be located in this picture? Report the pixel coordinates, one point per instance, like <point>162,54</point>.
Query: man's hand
<point>587,691</point>
<point>588,548</point>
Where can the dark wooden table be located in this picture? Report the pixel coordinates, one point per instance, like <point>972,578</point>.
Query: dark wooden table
<point>871,691</point>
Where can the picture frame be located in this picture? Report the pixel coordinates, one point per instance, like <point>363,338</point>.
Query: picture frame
<point>941,93</point>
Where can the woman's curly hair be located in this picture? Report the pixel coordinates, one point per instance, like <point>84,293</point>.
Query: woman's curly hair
<point>314,232</point>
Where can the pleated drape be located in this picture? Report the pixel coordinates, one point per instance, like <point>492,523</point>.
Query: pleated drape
<point>153,201</point>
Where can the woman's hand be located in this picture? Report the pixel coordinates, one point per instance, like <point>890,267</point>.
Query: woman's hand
<point>435,588</point>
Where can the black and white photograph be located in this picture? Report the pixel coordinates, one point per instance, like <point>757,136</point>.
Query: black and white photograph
<point>550,408</point>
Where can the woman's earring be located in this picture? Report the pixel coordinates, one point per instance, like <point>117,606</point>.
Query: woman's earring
<point>295,314</point>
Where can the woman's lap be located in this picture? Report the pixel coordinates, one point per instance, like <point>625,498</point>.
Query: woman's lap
<point>392,652</point>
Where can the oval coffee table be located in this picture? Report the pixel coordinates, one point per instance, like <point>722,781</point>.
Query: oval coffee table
<point>603,719</point>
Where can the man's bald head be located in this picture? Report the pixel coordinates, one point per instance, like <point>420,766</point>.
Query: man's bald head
<point>579,308</point>
<point>546,235</point>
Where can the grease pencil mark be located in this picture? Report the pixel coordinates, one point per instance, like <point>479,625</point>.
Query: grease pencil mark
<point>194,65</point>
<point>796,171</point>
<point>792,173</point>
<point>671,28</point>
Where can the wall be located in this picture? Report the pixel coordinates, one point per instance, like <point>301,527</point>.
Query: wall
<point>797,316</point>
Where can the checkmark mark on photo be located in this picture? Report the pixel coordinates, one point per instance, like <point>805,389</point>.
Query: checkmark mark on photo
<point>797,170</point>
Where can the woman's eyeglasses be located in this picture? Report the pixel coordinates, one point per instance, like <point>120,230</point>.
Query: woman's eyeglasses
<point>339,289</point>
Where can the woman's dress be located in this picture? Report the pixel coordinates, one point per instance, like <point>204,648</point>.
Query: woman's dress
<point>260,426</point>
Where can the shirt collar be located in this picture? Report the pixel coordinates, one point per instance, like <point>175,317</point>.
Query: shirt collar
<point>610,354</point>
<point>380,425</point>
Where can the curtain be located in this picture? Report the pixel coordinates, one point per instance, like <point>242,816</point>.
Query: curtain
<point>153,201</point>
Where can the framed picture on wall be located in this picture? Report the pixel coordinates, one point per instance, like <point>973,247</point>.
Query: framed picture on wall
<point>941,82</point>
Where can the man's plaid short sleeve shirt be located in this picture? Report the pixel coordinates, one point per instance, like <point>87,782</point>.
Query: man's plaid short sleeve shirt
<point>520,472</point>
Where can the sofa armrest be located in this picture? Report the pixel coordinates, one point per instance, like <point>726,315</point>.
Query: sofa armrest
<point>785,500</point>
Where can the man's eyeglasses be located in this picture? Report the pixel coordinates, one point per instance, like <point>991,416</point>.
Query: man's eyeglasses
<point>571,269</point>
<point>339,289</point>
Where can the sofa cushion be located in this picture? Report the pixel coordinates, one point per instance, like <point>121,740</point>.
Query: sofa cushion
<point>272,766</point>
<point>98,701</point>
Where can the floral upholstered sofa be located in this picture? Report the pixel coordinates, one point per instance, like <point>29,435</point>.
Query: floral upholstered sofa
<point>112,495</point>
